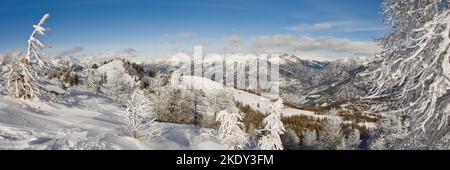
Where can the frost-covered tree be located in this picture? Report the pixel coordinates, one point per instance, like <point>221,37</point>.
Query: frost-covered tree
<point>197,105</point>
<point>388,134</point>
<point>212,104</point>
<point>231,130</point>
<point>34,45</point>
<point>331,136</point>
<point>120,89</point>
<point>252,131</point>
<point>21,80</point>
<point>26,72</point>
<point>174,106</point>
<point>93,81</point>
<point>273,129</point>
<point>290,139</point>
<point>405,16</point>
<point>352,140</point>
<point>138,119</point>
<point>309,139</point>
<point>412,73</point>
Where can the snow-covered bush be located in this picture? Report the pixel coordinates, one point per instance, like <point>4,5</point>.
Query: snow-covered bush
<point>138,119</point>
<point>73,139</point>
<point>230,130</point>
<point>273,129</point>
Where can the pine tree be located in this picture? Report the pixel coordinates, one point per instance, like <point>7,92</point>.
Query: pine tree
<point>230,130</point>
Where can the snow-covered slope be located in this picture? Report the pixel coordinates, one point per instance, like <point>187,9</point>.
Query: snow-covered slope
<point>259,103</point>
<point>85,121</point>
<point>115,70</point>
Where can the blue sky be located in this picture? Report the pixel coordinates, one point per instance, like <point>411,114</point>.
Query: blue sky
<point>322,27</point>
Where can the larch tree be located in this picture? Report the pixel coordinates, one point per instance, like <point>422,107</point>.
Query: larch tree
<point>412,73</point>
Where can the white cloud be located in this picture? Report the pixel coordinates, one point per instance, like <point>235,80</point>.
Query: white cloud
<point>322,26</point>
<point>232,39</point>
<point>128,51</point>
<point>314,27</point>
<point>187,35</point>
<point>70,51</point>
<point>178,38</point>
<point>288,42</point>
<point>345,26</point>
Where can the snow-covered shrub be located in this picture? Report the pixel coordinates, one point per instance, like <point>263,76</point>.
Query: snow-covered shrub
<point>138,119</point>
<point>73,139</point>
<point>230,130</point>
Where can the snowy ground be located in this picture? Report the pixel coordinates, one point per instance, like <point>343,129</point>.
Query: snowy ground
<point>88,122</point>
